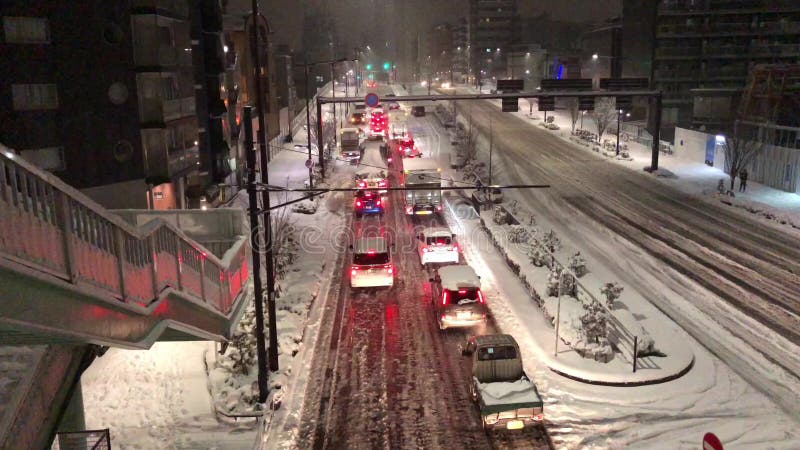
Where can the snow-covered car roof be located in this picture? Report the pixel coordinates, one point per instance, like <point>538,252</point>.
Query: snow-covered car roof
<point>458,277</point>
<point>437,232</point>
<point>365,245</point>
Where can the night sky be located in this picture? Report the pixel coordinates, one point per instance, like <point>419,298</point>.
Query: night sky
<point>286,16</point>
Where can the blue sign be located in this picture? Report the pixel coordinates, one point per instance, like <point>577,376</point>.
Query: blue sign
<point>372,100</point>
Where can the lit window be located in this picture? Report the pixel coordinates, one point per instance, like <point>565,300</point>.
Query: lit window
<point>28,97</point>
<point>26,30</point>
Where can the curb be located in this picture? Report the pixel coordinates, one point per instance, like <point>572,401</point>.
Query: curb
<point>665,379</point>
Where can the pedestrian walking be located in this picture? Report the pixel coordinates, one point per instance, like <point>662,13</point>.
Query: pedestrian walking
<point>742,180</point>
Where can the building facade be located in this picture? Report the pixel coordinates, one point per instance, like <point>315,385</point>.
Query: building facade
<point>462,70</point>
<point>119,106</point>
<point>704,51</point>
<point>493,27</point>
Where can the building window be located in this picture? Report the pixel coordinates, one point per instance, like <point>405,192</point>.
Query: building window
<point>27,97</point>
<point>26,30</point>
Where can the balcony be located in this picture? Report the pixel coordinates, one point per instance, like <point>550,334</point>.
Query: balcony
<point>165,157</point>
<point>677,52</point>
<point>161,56</point>
<point>157,111</point>
<point>173,8</point>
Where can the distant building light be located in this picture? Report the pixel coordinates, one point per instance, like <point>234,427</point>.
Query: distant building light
<point>488,50</point>
<point>527,54</point>
<point>527,72</point>
<point>498,49</point>
<point>195,142</point>
<point>595,56</point>
<point>225,48</point>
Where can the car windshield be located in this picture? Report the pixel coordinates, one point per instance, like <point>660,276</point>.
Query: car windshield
<point>438,240</point>
<point>366,259</point>
<point>498,352</point>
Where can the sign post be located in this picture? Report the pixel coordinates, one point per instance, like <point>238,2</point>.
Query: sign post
<point>372,100</point>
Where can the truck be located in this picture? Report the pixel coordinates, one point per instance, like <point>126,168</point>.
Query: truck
<point>504,394</point>
<point>349,144</point>
<point>424,175</point>
<point>398,121</point>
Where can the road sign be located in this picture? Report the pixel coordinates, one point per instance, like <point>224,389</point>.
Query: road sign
<point>586,103</point>
<point>372,100</point>
<point>547,104</point>
<point>624,102</point>
<point>309,163</point>
<point>622,84</point>
<point>511,104</point>
<point>567,84</point>
<point>711,442</point>
<point>510,85</point>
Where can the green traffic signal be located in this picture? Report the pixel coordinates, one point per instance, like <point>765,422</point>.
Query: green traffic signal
<point>386,66</point>
<point>369,66</point>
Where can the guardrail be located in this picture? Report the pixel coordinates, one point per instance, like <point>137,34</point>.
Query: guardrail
<point>48,226</point>
<point>83,440</point>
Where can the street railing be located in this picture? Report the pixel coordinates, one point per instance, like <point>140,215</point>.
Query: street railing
<point>83,440</point>
<point>48,226</point>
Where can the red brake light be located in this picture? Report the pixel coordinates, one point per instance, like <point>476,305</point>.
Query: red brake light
<point>438,207</point>
<point>358,203</point>
<point>362,184</point>
<point>389,159</point>
<point>480,296</point>
<point>444,298</point>
<point>378,203</point>
<point>462,291</point>
<point>455,247</point>
<point>425,249</point>
<point>370,252</point>
<point>353,272</point>
<point>389,269</point>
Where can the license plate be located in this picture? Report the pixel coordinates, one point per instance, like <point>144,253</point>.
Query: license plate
<point>515,425</point>
<point>463,315</point>
<point>421,213</point>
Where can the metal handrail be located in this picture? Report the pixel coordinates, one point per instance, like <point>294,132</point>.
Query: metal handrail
<point>49,226</point>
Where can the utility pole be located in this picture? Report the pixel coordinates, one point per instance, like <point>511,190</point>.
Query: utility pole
<point>491,140</point>
<point>265,200</point>
<point>333,94</point>
<point>261,350</point>
<point>619,115</point>
<point>308,129</point>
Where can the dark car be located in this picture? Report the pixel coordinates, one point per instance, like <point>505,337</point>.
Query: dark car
<point>368,202</point>
<point>418,111</point>
<point>358,118</point>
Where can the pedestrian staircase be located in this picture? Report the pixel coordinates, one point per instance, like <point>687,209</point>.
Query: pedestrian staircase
<point>72,272</point>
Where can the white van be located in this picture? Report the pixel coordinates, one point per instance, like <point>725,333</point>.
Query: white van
<point>372,263</point>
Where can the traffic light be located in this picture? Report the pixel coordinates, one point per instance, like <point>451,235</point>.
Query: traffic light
<point>369,66</point>
<point>387,66</point>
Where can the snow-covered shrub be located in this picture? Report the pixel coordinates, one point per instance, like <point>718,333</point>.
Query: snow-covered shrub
<point>594,322</point>
<point>554,281</point>
<point>611,292</point>
<point>500,215</point>
<point>305,207</point>
<point>538,256</point>
<point>518,234</point>
<point>551,241</point>
<point>577,264</point>
<point>567,284</point>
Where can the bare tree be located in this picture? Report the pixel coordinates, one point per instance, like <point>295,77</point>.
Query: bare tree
<point>604,113</point>
<point>574,112</point>
<point>740,150</point>
<point>327,129</point>
<point>470,142</point>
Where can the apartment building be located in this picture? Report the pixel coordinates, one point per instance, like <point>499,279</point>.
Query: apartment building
<point>493,27</point>
<point>705,49</point>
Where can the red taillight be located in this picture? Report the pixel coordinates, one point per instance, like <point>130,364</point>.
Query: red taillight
<point>370,252</point>
<point>462,291</point>
<point>389,159</point>
<point>382,183</point>
<point>480,296</point>
<point>455,247</point>
<point>362,184</point>
<point>444,298</point>
<point>378,203</point>
<point>389,269</point>
<point>358,203</point>
<point>353,271</point>
<point>438,207</point>
<point>425,249</point>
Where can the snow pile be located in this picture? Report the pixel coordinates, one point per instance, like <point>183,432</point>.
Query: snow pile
<point>764,211</point>
<point>504,392</point>
<point>306,206</point>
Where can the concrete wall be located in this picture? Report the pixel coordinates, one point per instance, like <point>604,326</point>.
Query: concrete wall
<point>690,145</point>
<point>774,166</point>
